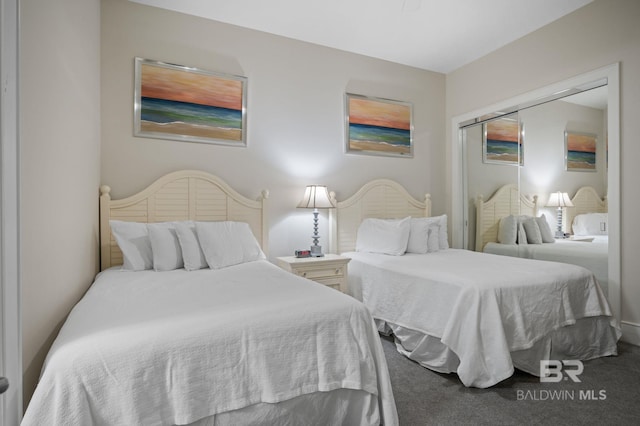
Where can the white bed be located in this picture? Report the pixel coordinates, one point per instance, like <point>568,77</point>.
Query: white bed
<point>243,344</point>
<point>475,314</point>
<point>586,250</point>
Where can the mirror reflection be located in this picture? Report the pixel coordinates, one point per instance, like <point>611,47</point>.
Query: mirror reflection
<point>536,182</point>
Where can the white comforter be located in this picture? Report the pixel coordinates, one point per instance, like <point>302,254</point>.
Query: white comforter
<point>155,348</point>
<point>481,306</point>
<point>593,255</point>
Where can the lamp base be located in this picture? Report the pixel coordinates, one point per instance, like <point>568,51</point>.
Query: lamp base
<point>316,251</point>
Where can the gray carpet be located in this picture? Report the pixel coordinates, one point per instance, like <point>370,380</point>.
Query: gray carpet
<point>424,397</point>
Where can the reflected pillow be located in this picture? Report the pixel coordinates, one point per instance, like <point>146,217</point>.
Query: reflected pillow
<point>386,236</point>
<point>508,230</point>
<point>545,230</point>
<point>532,230</point>
<point>591,224</point>
<point>522,234</point>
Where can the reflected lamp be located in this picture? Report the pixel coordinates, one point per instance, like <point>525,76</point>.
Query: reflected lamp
<point>559,200</point>
<point>316,197</point>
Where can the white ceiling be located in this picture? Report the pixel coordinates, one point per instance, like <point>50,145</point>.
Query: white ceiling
<point>436,35</point>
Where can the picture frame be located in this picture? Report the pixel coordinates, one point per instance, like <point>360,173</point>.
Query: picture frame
<point>378,126</point>
<point>188,104</point>
<point>503,141</point>
<point>580,151</point>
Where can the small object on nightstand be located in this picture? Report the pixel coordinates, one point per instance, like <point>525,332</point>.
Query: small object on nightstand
<point>329,270</point>
<point>302,253</point>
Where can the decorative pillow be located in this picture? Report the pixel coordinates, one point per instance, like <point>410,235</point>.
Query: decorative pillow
<point>387,236</point>
<point>532,230</point>
<point>165,247</point>
<point>423,235</point>
<point>228,243</point>
<point>545,230</point>
<point>522,235</point>
<point>508,230</point>
<point>591,224</point>
<point>192,255</point>
<point>133,240</point>
<point>443,235</point>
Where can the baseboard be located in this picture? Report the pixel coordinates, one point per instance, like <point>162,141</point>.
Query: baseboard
<point>630,333</point>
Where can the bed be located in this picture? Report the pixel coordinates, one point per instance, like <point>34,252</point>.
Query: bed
<point>476,314</point>
<point>241,343</point>
<point>587,247</point>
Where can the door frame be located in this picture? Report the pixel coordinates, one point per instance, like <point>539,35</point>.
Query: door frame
<point>10,325</point>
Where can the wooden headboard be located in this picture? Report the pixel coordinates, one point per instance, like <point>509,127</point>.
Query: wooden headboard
<point>380,198</point>
<point>182,195</point>
<point>506,201</point>
<point>586,200</point>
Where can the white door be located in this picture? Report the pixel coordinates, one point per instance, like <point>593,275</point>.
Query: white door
<point>10,341</point>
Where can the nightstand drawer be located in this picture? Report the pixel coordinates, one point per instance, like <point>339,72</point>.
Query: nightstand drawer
<point>319,273</point>
<point>329,270</point>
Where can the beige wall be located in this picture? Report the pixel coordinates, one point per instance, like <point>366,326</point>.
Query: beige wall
<point>597,35</point>
<point>295,115</point>
<point>60,166</point>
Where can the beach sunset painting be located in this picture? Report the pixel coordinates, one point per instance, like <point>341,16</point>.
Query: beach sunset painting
<point>188,104</point>
<point>580,151</point>
<point>502,144</point>
<point>378,126</point>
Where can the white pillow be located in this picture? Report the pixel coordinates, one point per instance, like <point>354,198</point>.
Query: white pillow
<point>591,224</point>
<point>423,235</point>
<point>133,240</point>
<point>522,235</point>
<point>387,236</point>
<point>532,230</point>
<point>508,230</point>
<point>545,230</point>
<point>165,247</point>
<point>443,234</point>
<point>228,243</point>
<point>192,255</point>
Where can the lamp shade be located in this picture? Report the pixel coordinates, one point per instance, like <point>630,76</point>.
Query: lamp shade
<point>316,197</point>
<point>559,199</point>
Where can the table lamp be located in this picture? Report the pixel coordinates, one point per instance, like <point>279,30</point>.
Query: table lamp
<point>559,200</point>
<point>316,197</point>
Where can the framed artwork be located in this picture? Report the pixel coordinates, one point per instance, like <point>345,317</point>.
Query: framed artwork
<point>580,151</point>
<point>502,141</point>
<point>189,104</point>
<point>378,126</point>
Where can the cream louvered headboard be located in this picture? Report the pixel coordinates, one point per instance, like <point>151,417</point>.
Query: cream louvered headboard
<point>183,195</point>
<point>380,198</point>
<point>506,201</point>
<point>586,200</point>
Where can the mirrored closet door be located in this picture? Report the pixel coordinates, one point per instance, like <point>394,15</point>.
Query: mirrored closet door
<point>541,169</point>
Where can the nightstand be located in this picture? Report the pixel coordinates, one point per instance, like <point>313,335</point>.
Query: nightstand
<point>330,269</point>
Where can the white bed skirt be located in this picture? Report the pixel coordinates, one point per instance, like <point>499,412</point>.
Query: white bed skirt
<point>588,338</point>
<point>337,407</point>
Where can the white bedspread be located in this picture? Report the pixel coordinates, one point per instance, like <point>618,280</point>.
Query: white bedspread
<point>593,255</point>
<point>481,306</point>
<point>155,348</point>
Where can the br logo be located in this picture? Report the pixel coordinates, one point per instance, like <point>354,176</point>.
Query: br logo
<point>555,371</point>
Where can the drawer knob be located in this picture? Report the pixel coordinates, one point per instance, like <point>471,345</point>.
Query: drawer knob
<point>304,274</point>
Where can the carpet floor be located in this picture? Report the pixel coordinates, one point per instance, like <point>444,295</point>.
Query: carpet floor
<point>608,394</point>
